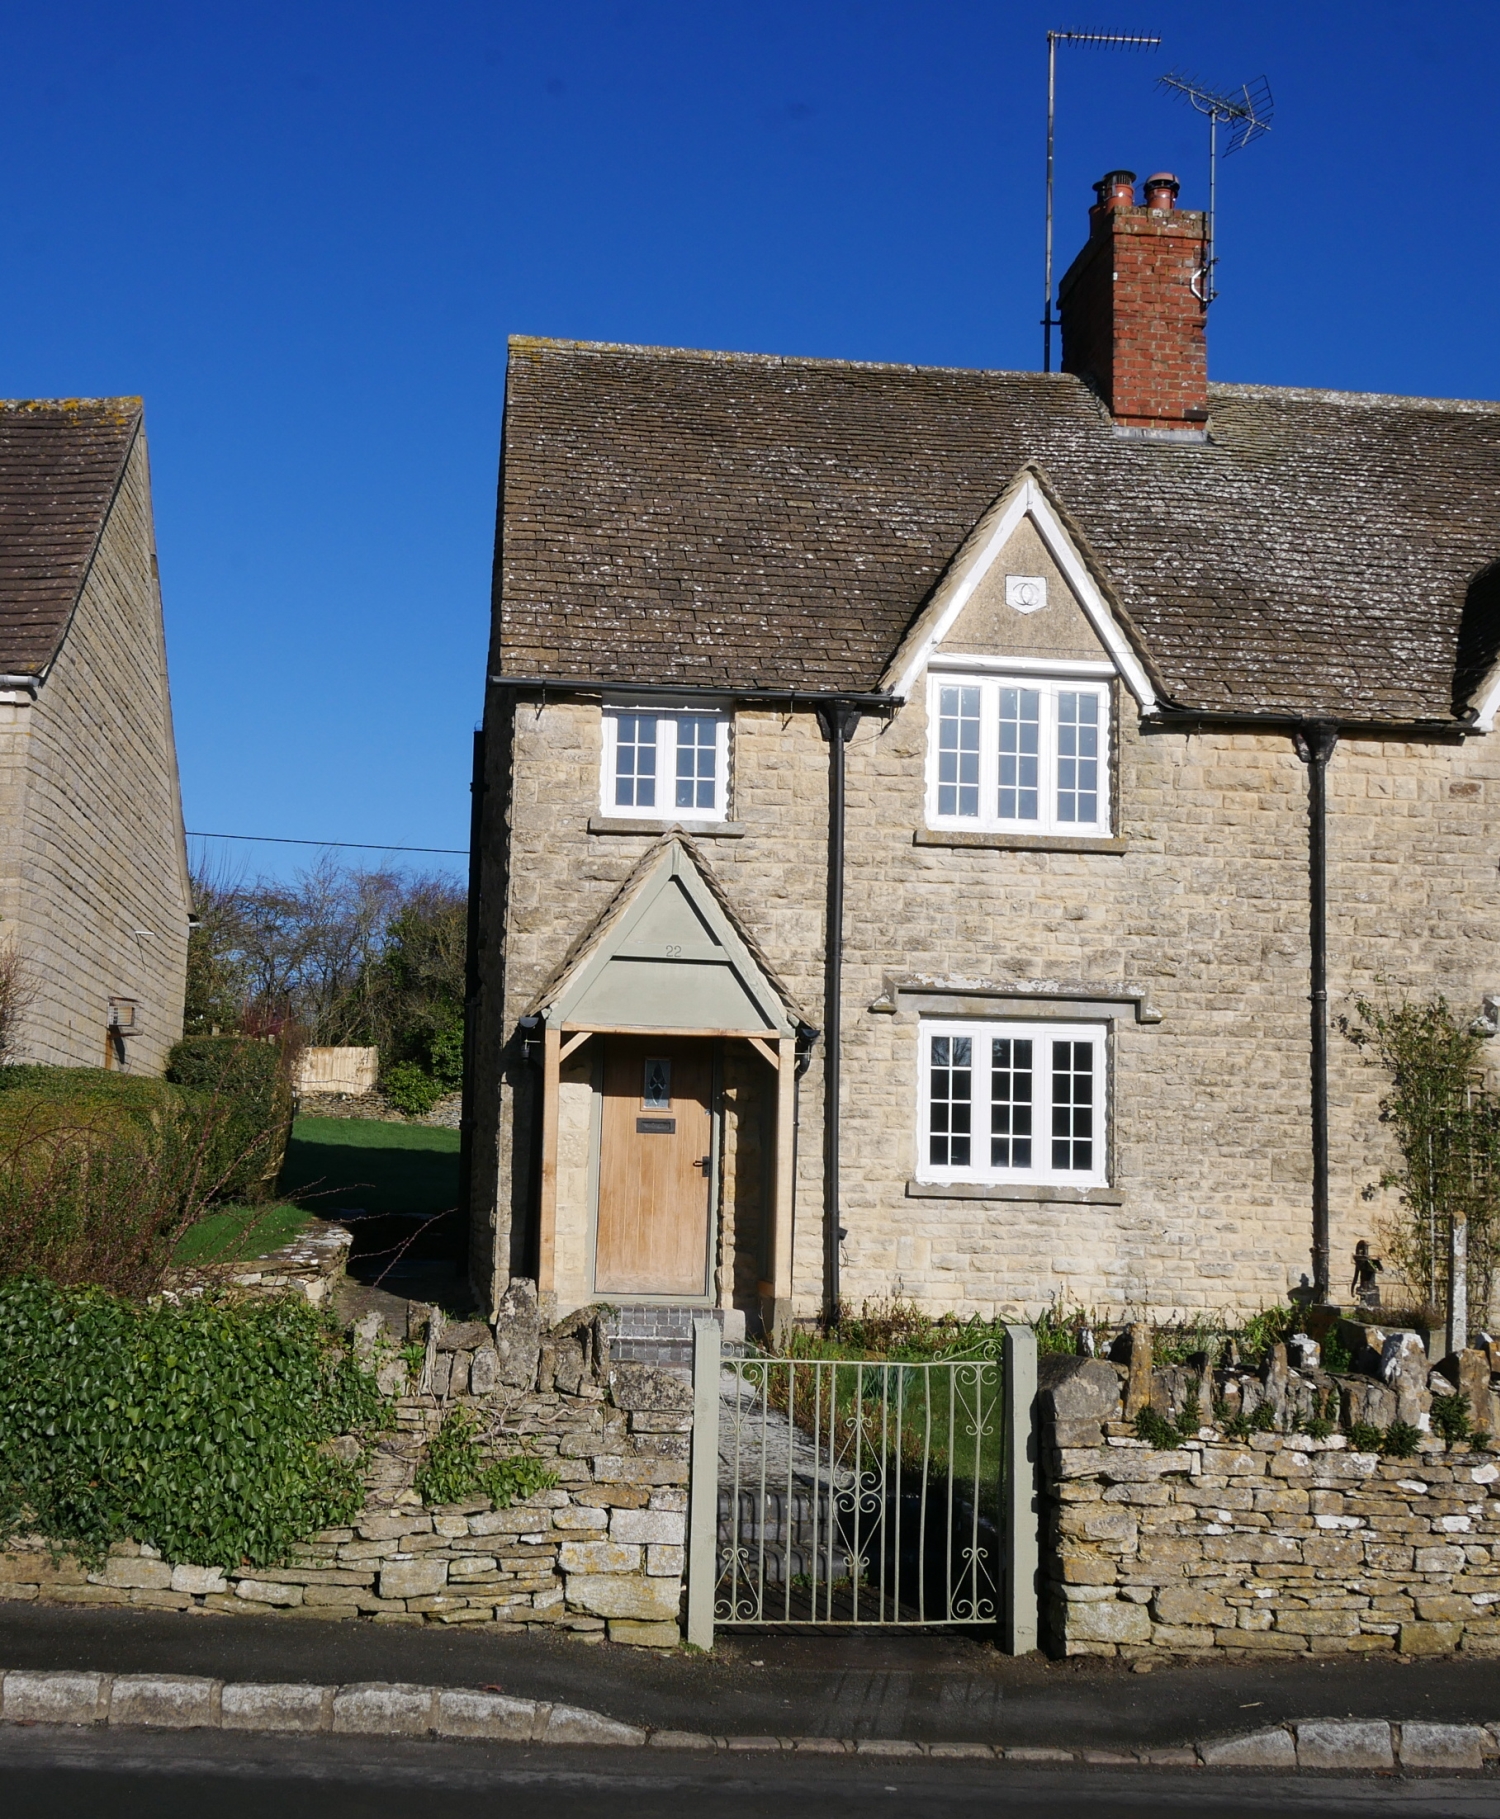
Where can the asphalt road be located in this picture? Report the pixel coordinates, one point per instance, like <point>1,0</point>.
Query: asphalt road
<point>85,1774</point>
<point>868,1684</point>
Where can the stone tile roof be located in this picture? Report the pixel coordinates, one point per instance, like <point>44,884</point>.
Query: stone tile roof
<point>60,465</point>
<point>737,521</point>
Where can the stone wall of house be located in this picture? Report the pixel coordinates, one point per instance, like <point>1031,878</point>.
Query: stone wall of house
<point>554,880</point>
<point>1205,910</point>
<point>1276,1543</point>
<point>94,889</point>
<point>601,1553</point>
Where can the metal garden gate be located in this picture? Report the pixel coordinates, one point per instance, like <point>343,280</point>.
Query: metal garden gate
<point>862,1493</point>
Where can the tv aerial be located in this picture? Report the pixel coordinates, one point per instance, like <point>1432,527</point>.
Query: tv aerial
<point>1129,41</point>
<point>1246,112</point>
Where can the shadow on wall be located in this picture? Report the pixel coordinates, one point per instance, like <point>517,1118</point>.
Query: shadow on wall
<point>1478,636</point>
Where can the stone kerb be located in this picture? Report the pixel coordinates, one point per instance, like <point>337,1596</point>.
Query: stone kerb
<point>1276,1544</point>
<point>601,1553</point>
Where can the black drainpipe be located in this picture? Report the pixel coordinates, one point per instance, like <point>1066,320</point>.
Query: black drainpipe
<point>1315,742</point>
<point>839,721</point>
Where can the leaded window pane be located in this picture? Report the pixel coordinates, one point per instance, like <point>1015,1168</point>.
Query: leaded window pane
<point>1077,756</point>
<point>697,760</point>
<point>951,1101</point>
<point>1073,1105</point>
<point>958,751</point>
<point>635,761</point>
<point>1020,753</point>
<point>1010,1103</point>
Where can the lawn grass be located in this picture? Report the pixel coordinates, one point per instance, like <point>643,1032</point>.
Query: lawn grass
<point>369,1166</point>
<point>234,1234</point>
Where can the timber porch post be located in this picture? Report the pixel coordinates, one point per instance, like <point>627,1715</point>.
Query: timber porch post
<point>546,1264</point>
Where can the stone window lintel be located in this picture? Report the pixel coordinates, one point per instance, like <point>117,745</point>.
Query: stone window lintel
<point>1044,1000</point>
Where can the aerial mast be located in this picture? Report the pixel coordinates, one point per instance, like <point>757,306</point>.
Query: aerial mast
<point>1246,111</point>
<point>1121,41</point>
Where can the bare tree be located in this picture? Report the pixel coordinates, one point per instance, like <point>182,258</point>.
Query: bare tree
<point>17,990</point>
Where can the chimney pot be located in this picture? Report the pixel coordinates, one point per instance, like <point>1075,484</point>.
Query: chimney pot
<point>1115,189</point>
<point>1161,191</point>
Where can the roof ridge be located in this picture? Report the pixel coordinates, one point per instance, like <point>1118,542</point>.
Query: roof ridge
<point>1385,400</point>
<point>828,363</point>
<point>127,401</point>
<point>726,357</point>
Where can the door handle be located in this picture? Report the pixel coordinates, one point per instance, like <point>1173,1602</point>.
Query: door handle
<point>705,1163</point>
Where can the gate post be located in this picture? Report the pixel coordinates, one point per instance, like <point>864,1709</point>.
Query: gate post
<point>1018,1611</point>
<point>703,1485</point>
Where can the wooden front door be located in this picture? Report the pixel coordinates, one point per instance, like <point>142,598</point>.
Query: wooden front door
<point>654,1168</point>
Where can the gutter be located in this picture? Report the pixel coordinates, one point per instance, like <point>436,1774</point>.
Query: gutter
<point>811,698</point>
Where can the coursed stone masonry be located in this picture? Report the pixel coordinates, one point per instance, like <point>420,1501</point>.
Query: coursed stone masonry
<point>1205,908</point>
<point>93,867</point>
<point>1276,1544</point>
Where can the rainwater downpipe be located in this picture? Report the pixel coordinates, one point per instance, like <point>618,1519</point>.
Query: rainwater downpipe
<point>1315,742</point>
<point>839,719</point>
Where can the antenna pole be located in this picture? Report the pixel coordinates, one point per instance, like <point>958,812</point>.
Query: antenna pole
<point>1213,197</point>
<point>1051,121</point>
<point>1247,114</point>
<point>1133,41</point>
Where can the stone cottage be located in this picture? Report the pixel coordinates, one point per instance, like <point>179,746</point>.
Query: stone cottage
<point>94,895</point>
<point>930,820</point>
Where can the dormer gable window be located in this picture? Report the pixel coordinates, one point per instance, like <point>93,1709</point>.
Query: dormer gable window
<point>1018,754</point>
<point>665,764</point>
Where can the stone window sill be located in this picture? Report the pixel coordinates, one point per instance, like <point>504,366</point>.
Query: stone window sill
<point>1017,843</point>
<point>1014,1190</point>
<point>700,830</point>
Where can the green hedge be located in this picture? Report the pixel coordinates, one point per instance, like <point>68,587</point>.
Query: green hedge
<point>101,1171</point>
<point>138,1098</point>
<point>98,1173</point>
<point>252,1079</point>
<point>198,1428</point>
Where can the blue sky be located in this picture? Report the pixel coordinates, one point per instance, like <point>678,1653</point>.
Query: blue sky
<point>304,232</point>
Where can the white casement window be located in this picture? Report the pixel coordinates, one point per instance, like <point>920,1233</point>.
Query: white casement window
<point>1018,754</point>
<point>1022,1102</point>
<point>665,765</point>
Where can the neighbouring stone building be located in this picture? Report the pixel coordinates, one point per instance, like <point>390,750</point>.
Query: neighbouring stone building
<point>94,895</point>
<point>903,810</point>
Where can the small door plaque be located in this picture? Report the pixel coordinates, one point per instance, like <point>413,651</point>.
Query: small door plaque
<point>656,1127</point>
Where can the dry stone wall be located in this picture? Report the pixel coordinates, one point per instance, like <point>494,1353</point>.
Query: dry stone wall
<point>1275,1544</point>
<point>601,1553</point>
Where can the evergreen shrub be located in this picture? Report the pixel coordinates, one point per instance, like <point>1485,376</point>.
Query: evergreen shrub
<point>251,1079</point>
<point>410,1090</point>
<point>99,1173</point>
<point>198,1428</point>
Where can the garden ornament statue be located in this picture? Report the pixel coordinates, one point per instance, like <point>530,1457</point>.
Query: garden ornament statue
<point>1365,1287</point>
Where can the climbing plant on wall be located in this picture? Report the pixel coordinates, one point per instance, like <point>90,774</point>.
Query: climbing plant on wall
<point>1446,1123</point>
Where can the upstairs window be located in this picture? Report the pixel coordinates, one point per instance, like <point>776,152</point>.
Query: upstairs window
<point>665,766</point>
<point>1018,755</point>
<point>1022,1102</point>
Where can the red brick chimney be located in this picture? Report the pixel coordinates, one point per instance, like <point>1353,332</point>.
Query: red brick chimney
<point>1130,320</point>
